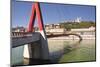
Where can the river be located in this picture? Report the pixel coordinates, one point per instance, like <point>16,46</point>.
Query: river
<point>72,50</point>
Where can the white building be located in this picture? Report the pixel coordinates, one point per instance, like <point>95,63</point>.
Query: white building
<point>78,19</point>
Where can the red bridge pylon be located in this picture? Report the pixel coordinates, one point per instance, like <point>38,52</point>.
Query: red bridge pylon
<point>36,12</point>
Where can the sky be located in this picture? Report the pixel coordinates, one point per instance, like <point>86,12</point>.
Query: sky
<point>52,13</point>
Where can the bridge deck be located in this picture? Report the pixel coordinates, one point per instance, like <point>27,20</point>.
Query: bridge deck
<point>23,38</point>
<point>19,41</point>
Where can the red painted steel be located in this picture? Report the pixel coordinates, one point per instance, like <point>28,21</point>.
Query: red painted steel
<point>32,19</point>
<point>36,12</point>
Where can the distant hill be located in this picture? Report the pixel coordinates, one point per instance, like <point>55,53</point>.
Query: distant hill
<point>83,24</point>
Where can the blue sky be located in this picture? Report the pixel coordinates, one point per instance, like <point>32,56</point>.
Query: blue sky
<point>51,13</point>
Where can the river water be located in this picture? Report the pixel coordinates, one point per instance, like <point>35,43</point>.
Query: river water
<point>72,50</point>
<point>64,51</point>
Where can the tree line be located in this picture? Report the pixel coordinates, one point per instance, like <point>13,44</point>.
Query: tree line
<point>70,25</point>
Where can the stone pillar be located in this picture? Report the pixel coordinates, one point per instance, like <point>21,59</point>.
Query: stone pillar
<point>37,50</point>
<point>44,46</point>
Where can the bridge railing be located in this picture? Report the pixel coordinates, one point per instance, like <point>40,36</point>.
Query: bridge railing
<point>21,34</point>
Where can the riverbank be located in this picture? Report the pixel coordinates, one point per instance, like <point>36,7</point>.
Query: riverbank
<point>73,37</point>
